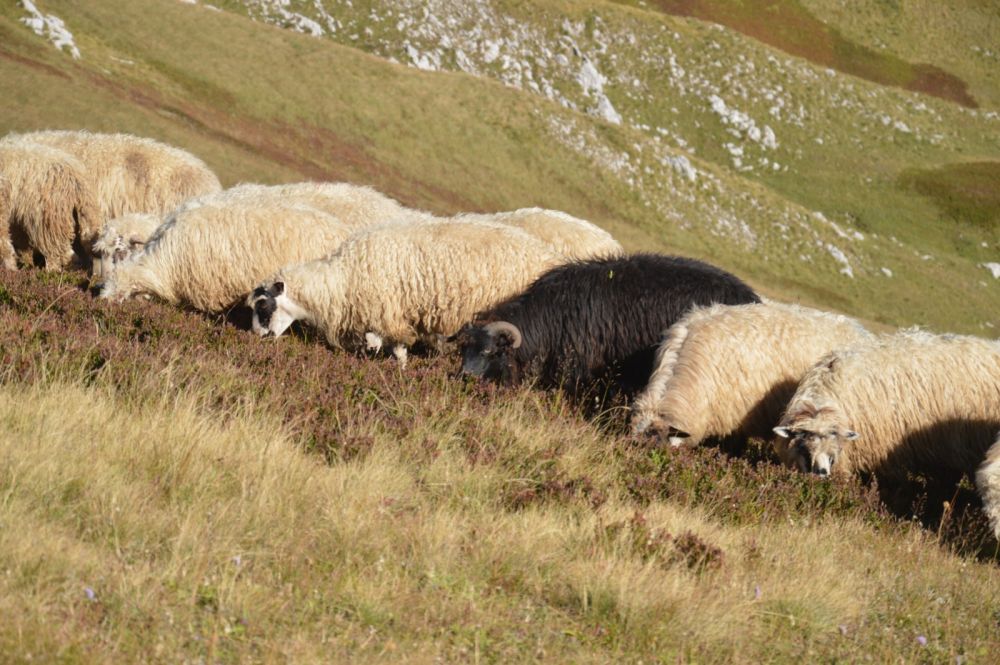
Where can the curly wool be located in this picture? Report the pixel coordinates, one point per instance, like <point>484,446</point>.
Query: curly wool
<point>569,236</point>
<point>918,401</point>
<point>51,204</point>
<point>131,173</point>
<point>602,318</point>
<point>211,256</point>
<point>729,370</point>
<point>354,205</point>
<point>406,282</point>
<point>988,485</point>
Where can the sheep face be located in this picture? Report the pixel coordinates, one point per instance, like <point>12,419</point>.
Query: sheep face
<point>487,351</point>
<point>273,310</point>
<point>110,249</point>
<point>812,451</point>
<point>651,424</point>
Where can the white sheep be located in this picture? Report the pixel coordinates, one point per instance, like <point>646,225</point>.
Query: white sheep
<point>574,238</point>
<point>988,484</point>
<point>909,402</point>
<point>729,370</point>
<point>211,256</point>
<point>402,283</point>
<point>131,173</point>
<point>51,205</point>
<point>355,206</point>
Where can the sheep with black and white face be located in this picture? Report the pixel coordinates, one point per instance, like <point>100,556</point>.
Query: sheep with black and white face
<point>399,284</point>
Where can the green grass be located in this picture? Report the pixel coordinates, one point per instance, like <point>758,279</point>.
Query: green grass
<point>450,142</point>
<point>968,193</point>
<point>787,25</point>
<point>959,37</point>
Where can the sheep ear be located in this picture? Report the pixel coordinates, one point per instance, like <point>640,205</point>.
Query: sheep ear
<point>783,432</point>
<point>278,288</point>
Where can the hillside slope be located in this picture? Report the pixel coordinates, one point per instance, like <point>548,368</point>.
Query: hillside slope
<point>175,489</point>
<point>672,133</point>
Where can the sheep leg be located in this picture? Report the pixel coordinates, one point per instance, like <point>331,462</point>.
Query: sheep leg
<point>8,257</point>
<point>59,261</point>
<point>988,484</point>
<point>373,342</point>
<point>399,351</point>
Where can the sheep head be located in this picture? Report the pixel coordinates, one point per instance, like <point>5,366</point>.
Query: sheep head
<point>110,249</point>
<point>810,445</point>
<point>655,425</point>
<point>487,351</point>
<point>273,310</point>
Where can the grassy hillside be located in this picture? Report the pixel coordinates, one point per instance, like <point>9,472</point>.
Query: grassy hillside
<point>960,37</point>
<point>174,489</point>
<point>828,226</point>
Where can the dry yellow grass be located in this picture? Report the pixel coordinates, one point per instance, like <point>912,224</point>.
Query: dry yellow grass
<point>145,529</point>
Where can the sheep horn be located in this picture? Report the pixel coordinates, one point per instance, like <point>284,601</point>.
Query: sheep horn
<point>499,327</point>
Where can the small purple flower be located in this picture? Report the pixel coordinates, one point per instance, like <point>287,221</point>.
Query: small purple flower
<point>757,593</point>
<point>921,640</point>
<point>237,560</point>
<point>89,593</point>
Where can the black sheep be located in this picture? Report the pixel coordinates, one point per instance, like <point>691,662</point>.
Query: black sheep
<point>593,323</point>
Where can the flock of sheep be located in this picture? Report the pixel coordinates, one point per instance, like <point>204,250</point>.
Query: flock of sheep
<point>529,295</point>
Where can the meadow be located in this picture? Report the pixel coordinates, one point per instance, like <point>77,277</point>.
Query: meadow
<point>173,488</point>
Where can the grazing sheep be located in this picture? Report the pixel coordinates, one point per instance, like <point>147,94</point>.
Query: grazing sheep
<point>51,204</point>
<point>571,237</point>
<point>596,320</point>
<point>354,205</point>
<point>211,256</point>
<point>988,484</point>
<point>730,370</point>
<point>402,283</point>
<point>130,173</point>
<point>909,402</point>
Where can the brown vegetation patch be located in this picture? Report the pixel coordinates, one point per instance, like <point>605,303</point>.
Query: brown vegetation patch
<point>787,25</point>
<point>33,64</point>
<point>314,152</point>
<point>968,192</point>
<point>651,544</point>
